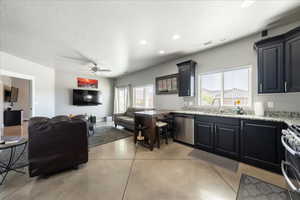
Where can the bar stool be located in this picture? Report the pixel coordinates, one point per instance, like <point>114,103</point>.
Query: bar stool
<point>162,130</point>
<point>139,137</point>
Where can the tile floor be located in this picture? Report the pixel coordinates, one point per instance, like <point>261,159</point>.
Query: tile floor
<point>120,170</point>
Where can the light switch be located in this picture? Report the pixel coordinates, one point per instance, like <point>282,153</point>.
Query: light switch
<point>270,104</point>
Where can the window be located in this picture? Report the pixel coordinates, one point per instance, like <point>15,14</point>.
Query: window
<point>224,88</point>
<point>211,88</point>
<point>122,95</point>
<point>122,100</point>
<point>143,96</point>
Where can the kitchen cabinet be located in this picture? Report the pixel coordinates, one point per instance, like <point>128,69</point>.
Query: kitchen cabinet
<point>227,140</point>
<point>292,64</point>
<point>278,63</point>
<point>270,67</point>
<point>255,142</point>
<point>218,135</point>
<point>186,78</point>
<point>260,144</point>
<point>204,135</point>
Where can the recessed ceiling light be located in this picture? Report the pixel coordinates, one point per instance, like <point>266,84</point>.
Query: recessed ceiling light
<point>176,37</point>
<point>247,3</point>
<point>143,42</point>
<point>161,52</point>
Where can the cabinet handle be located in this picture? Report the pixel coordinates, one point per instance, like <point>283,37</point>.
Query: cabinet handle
<point>260,87</point>
<point>285,86</point>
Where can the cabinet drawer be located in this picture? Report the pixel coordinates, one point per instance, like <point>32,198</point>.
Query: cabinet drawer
<point>216,119</point>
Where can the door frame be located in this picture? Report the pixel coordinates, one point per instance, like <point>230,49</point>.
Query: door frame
<point>27,77</point>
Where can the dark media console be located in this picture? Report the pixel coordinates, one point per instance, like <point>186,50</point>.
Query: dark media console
<point>13,117</point>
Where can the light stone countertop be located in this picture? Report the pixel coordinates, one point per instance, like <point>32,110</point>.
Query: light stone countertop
<point>287,120</point>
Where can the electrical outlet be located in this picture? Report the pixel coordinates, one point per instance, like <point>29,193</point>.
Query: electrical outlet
<point>270,104</point>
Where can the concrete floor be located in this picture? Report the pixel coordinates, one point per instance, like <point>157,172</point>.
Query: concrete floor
<point>120,170</point>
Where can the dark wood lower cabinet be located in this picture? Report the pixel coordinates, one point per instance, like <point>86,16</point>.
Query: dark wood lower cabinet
<point>255,142</point>
<point>227,140</point>
<point>204,135</point>
<point>261,144</point>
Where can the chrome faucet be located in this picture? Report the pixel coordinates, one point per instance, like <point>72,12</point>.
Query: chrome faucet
<point>220,110</point>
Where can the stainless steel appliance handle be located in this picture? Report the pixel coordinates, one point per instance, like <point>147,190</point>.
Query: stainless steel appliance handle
<point>289,182</point>
<point>292,133</point>
<point>288,148</point>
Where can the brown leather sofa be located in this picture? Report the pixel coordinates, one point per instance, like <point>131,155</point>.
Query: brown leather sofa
<point>127,119</point>
<point>56,144</point>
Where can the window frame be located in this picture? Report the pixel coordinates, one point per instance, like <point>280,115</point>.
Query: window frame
<point>142,86</point>
<point>124,98</point>
<point>249,67</point>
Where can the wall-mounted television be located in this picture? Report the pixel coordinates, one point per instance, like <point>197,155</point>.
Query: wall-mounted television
<point>11,95</point>
<point>86,97</point>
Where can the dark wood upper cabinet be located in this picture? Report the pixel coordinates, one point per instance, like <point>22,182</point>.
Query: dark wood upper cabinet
<point>279,63</point>
<point>292,62</point>
<point>186,78</point>
<point>270,68</point>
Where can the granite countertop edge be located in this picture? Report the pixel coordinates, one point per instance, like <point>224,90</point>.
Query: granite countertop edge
<point>288,121</point>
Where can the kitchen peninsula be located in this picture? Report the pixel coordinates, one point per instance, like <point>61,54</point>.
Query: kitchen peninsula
<point>147,120</point>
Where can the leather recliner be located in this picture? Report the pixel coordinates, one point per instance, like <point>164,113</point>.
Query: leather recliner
<point>56,144</point>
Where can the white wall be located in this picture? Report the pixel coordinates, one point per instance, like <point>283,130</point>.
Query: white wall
<point>44,81</point>
<point>66,82</point>
<point>234,54</point>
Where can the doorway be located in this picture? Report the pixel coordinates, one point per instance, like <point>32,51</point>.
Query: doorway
<point>16,100</point>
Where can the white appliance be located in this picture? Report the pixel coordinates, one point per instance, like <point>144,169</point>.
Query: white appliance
<point>259,109</point>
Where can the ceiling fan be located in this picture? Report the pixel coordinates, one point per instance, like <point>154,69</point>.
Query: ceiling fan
<point>91,64</point>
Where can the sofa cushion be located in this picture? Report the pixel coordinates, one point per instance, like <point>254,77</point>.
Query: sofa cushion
<point>126,119</point>
<point>130,111</point>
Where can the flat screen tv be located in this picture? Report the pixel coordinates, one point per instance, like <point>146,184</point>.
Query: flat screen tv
<point>11,95</point>
<point>85,97</point>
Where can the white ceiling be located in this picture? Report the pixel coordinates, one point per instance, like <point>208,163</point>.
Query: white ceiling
<point>110,32</point>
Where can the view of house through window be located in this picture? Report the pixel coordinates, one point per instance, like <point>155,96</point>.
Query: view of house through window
<point>143,96</point>
<point>224,88</point>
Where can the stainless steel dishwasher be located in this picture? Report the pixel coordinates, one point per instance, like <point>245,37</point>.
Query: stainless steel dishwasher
<point>184,128</point>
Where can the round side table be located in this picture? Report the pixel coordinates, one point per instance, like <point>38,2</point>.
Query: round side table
<point>11,144</point>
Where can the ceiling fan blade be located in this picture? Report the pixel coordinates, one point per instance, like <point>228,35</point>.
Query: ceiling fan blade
<point>86,58</point>
<point>104,70</point>
<point>74,59</point>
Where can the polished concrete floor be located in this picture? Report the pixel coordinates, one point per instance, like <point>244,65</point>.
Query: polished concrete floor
<point>121,170</point>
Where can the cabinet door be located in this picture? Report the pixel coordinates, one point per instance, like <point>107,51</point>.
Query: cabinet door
<point>204,135</point>
<point>227,140</point>
<point>270,69</point>
<point>183,81</point>
<point>260,144</point>
<point>293,64</point>
<point>186,78</point>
